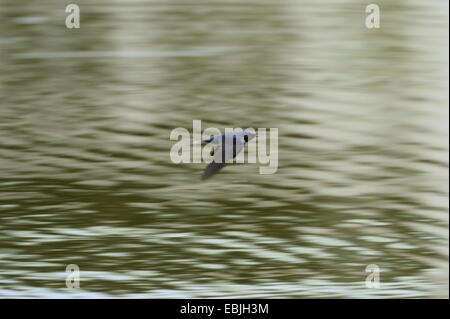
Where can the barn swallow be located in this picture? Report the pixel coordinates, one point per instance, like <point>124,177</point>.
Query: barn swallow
<point>228,145</point>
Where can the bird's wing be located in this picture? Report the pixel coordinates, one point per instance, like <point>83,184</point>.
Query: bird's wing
<point>222,155</point>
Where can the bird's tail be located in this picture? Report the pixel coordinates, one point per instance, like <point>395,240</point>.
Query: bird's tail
<point>208,140</point>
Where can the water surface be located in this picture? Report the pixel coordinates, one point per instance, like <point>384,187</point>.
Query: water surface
<point>86,178</point>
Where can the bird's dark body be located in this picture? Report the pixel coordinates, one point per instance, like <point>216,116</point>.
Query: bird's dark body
<point>215,167</point>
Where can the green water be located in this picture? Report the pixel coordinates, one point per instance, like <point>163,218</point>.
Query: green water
<point>86,178</point>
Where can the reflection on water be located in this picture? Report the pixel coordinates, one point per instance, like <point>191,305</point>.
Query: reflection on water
<point>86,178</point>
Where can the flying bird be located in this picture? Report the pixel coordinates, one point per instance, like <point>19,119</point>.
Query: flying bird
<point>228,145</point>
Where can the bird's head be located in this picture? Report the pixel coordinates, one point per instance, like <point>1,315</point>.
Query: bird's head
<point>248,135</point>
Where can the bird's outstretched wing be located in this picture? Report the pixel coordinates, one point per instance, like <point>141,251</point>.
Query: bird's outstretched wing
<point>222,155</point>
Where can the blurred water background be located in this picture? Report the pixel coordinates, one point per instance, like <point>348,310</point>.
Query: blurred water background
<point>85,174</point>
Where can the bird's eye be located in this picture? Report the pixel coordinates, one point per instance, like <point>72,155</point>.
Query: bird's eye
<point>246,138</point>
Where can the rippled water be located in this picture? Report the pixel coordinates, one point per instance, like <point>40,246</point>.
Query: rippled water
<point>85,175</point>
